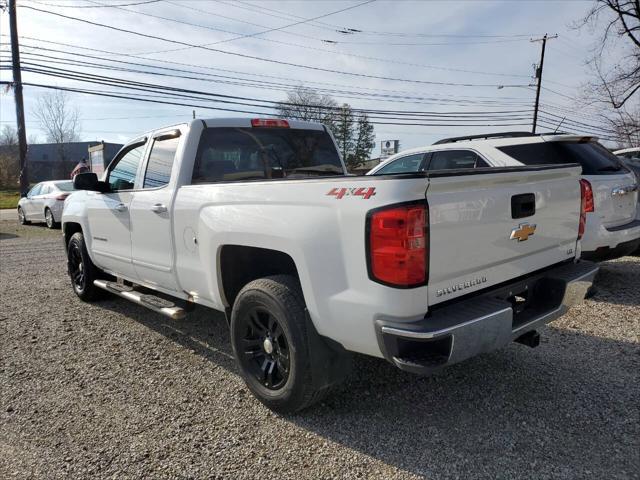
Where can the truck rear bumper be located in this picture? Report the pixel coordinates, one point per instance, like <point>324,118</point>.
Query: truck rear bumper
<point>452,333</point>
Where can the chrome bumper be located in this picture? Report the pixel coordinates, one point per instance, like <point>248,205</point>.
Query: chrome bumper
<point>485,322</point>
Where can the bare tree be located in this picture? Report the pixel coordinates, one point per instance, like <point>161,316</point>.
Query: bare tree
<point>60,121</point>
<point>8,136</point>
<point>619,81</point>
<point>616,84</point>
<point>58,118</point>
<point>307,104</point>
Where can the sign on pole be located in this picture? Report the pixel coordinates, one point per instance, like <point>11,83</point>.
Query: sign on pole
<point>388,148</point>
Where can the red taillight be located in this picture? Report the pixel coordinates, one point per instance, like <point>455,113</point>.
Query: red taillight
<point>398,245</point>
<point>587,195</point>
<point>62,196</point>
<point>269,122</point>
<point>586,205</point>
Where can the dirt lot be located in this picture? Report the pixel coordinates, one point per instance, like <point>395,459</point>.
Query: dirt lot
<point>111,390</point>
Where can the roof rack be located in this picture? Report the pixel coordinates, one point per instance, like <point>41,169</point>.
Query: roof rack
<point>489,135</point>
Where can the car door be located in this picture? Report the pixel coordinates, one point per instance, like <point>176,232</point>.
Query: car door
<point>28,203</point>
<point>108,213</point>
<point>38,202</point>
<point>151,210</point>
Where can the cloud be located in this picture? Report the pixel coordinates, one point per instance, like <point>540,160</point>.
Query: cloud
<point>414,21</point>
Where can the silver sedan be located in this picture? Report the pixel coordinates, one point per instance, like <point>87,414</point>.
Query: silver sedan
<point>44,203</point>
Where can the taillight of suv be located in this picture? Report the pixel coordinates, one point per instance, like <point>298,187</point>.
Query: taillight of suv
<point>586,205</point>
<point>398,245</point>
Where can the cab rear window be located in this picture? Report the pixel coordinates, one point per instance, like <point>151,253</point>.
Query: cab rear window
<point>240,154</point>
<point>594,158</point>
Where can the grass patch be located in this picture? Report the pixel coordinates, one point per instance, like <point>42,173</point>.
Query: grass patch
<point>9,198</point>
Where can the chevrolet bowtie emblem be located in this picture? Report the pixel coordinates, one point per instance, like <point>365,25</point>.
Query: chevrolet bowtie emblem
<point>522,232</point>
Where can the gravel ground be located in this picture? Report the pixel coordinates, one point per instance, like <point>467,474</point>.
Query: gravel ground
<point>111,390</point>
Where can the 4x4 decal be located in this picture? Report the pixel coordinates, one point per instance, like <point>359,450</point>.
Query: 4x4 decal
<point>364,192</point>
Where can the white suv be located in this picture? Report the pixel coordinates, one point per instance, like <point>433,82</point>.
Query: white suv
<point>612,228</point>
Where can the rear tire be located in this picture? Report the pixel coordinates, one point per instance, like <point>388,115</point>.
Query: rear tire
<point>22,218</point>
<point>49,220</point>
<point>81,269</point>
<point>270,343</point>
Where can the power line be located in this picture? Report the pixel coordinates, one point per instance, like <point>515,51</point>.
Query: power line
<point>333,41</point>
<point>307,47</point>
<point>269,60</point>
<point>229,99</point>
<point>145,2</point>
<point>389,93</point>
<point>253,112</point>
<point>77,62</point>
<point>351,31</point>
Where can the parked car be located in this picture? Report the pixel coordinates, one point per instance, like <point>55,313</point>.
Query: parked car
<point>44,203</point>
<point>631,158</point>
<point>257,218</point>
<point>612,227</point>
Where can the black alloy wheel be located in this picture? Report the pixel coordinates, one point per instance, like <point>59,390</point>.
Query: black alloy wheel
<point>81,269</point>
<point>76,267</point>
<point>265,350</point>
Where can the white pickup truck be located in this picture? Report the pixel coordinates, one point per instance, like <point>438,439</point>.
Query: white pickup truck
<point>257,218</point>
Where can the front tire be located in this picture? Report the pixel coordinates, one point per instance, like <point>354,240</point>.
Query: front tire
<point>50,221</point>
<point>22,218</point>
<point>270,343</point>
<point>82,270</point>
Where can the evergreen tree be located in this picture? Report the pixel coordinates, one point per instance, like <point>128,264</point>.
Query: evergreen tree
<point>364,142</point>
<point>344,131</point>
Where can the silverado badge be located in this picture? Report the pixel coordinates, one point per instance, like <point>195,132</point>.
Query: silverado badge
<point>522,232</point>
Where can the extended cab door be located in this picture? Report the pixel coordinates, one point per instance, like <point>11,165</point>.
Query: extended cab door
<point>108,213</point>
<point>151,209</point>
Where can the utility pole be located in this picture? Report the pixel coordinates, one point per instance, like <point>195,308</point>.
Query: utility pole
<point>17,93</point>
<point>539,77</point>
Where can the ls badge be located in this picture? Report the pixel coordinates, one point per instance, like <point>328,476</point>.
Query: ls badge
<point>522,232</point>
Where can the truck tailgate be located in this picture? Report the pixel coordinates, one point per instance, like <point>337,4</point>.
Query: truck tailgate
<point>484,229</point>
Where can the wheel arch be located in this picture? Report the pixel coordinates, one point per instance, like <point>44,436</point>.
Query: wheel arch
<point>241,264</point>
<point>69,229</point>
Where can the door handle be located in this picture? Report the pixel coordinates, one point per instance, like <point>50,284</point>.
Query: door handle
<point>159,208</point>
<point>121,207</point>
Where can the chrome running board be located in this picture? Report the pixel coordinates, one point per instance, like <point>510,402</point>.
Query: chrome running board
<point>157,304</point>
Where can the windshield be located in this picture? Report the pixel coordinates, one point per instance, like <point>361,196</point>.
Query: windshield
<point>228,154</point>
<point>594,158</point>
<point>65,186</point>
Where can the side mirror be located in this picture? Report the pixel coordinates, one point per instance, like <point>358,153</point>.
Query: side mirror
<point>89,181</point>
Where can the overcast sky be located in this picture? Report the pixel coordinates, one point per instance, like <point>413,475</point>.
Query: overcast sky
<point>484,44</point>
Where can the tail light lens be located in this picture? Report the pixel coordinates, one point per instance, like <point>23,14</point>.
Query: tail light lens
<point>398,245</point>
<point>269,123</point>
<point>62,196</point>
<point>586,205</point>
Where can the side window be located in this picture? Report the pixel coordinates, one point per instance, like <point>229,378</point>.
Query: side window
<point>408,164</point>
<point>123,175</point>
<point>35,190</point>
<point>46,189</point>
<point>453,159</point>
<point>160,162</point>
